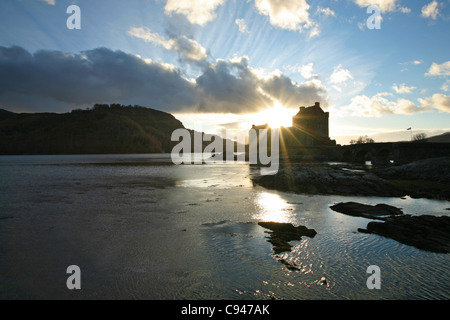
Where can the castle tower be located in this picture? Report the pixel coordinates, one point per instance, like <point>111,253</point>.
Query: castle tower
<point>313,122</point>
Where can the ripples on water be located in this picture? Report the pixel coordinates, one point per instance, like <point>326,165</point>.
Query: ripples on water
<point>140,228</point>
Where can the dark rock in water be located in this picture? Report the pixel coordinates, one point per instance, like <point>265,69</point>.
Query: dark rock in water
<point>379,211</point>
<point>282,233</point>
<point>425,232</point>
<point>364,231</point>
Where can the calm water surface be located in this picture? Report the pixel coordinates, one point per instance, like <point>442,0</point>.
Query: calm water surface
<point>140,228</point>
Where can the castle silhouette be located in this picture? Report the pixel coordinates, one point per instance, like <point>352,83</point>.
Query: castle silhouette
<point>310,128</point>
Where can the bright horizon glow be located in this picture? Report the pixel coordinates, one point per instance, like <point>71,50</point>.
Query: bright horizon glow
<point>277,116</point>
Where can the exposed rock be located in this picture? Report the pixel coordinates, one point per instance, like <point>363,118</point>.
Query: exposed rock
<point>282,233</point>
<point>379,211</point>
<point>435,169</point>
<point>323,179</point>
<point>425,232</point>
<point>428,178</point>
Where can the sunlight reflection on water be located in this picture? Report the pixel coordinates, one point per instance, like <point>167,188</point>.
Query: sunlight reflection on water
<point>273,208</point>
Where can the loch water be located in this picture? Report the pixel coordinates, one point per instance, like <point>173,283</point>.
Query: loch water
<point>140,227</point>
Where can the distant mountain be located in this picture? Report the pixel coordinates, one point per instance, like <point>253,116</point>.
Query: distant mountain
<point>400,136</point>
<point>5,113</point>
<point>104,129</point>
<point>445,137</point>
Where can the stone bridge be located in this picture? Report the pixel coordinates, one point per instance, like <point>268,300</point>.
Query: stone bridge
<point>393,152</point>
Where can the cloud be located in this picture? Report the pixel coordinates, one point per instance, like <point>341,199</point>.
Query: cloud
<point>50,2</point>
<point>340,75</point>
<point>384,5</point>
<point>431,10</point>
<point>306,70</point>
<point>146,34</point>
<point>325,11</point>
<point>362,26</point>
<point>242,26</point>
<point>196,11</point>
<point>438,101</point>
<point>379,105</point>
<point>291,94</point>
<point>288,14</point>
<point>57,81</point>
<point>230,86</point>
<point>188,48</point>
<point>439,69</point>
<point>405,10</point>
<point>415,62</point>
<point>343,81</point>
<point>446,86</point>
<point>403,88</point>
<point>60,81</point>
<point>234,86</point>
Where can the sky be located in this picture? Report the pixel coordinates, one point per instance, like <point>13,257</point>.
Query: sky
<point>223,65</point>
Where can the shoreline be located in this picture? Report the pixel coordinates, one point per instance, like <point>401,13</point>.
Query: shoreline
<point>428,178</point>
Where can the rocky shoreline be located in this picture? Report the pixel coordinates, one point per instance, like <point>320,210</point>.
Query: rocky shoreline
<point>421,179</point>
<point>325,179</point>
<point>425,232</point>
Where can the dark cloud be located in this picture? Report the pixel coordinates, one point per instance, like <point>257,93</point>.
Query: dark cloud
<point>235,86</point>
<point>57,81</point>
<point>95,76</point>
<point>291,94</point>
<point>231,86</point>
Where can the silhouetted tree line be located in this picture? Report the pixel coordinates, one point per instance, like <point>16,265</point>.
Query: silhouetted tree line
<point>420,137</point>
<point>362,139</point>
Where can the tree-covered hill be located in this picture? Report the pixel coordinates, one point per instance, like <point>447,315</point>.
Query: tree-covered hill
<point>103,129</point>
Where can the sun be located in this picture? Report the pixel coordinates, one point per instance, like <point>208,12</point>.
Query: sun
<point>276,116</point>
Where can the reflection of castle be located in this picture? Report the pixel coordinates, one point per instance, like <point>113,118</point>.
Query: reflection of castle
<point>309,129</point>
